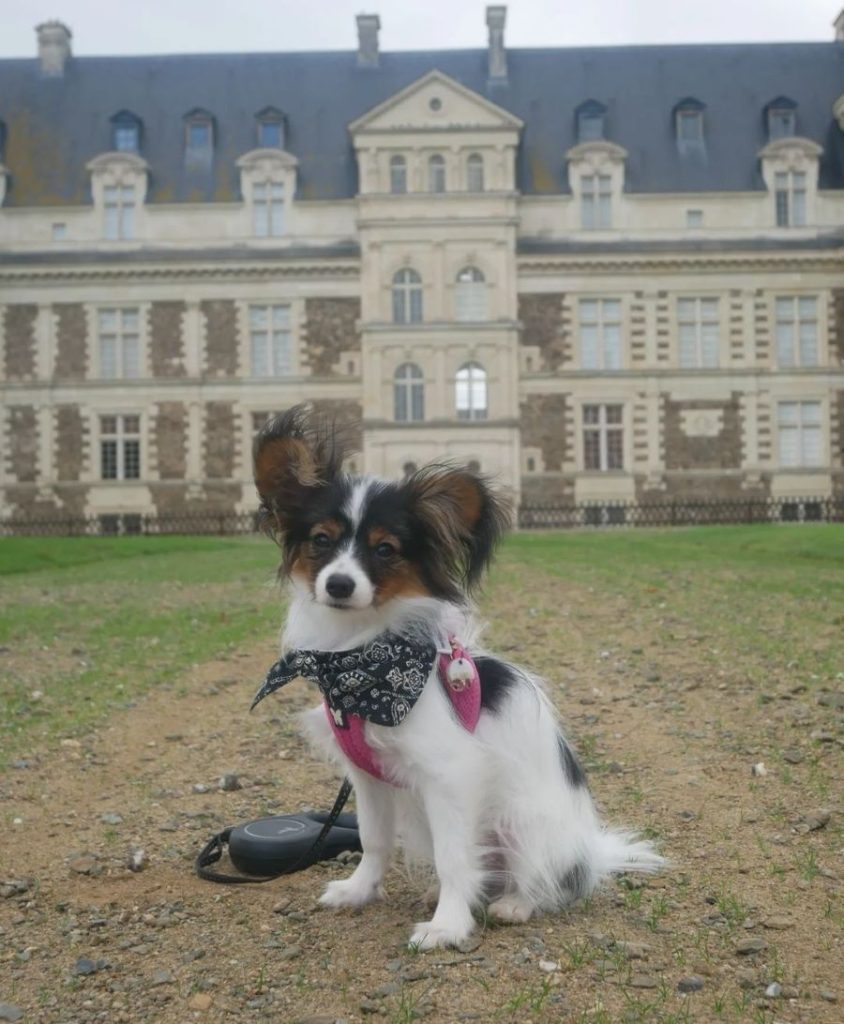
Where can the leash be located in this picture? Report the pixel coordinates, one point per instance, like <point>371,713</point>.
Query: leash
<point>213,849</point>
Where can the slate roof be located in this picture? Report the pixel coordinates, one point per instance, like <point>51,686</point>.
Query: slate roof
<point>55,126</point>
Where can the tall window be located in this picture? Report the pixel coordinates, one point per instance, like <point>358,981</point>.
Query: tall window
<point>690,126</point>
<point>600,334</point>
<point>119,212</point>
<point>699,332</point>
<point>475,172</point>
<point>470,294</point>
<point>398,175</point>
<point>782,118</point>
<point>268,209</point>
<point>199,137</point>
<point>595,201</point>
<point>126,132</point>
<point>409,394</point>
<point>270,125</point>
<point>603,437</point>
<point>797,330</point>
<point>271,353</point>
<point>790,197</point>
<point>590,117</point>
<point>470,392</point>
<point>407,297</point>
<point>120,447</point>
<point>436,173</point>
<point>119,343</point>
<point>800,442</point>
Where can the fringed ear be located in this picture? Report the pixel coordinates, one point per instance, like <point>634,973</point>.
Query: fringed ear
<point>293,456</point>
<point>464,518</point>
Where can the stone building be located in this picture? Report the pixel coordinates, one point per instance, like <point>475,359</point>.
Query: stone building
<point>597,273</point>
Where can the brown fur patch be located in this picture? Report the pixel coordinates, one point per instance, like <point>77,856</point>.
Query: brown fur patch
<point>380,535</point>
<point>281,457</point>
<point>329,526</point>
<point>403,581</point>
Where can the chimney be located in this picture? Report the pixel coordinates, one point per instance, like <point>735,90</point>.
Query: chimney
<point>838,25</point>
<point>495,18</point>
<point>53,47</point>
<point>368,26</point>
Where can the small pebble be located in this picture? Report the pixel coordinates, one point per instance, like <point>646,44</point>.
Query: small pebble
<point>773,991</point>
<point>643,981</point>
<point>752,945</point>
<point>690,984</point>
<point>828,996</point>
<point>759,769</point>
<point>549,966</point>
<point>200,1001</point>
<point>229,783</point>
<point>111,818</point>
<point>10,1013</point>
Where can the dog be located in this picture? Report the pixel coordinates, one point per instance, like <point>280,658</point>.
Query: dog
<point>382,569</point>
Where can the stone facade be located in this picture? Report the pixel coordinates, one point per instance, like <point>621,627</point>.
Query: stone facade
<point>220,441</point>
<point>171,440</point>
<point>18,333</point>
<point>543,426</point>
<point>702,434</point>
<point>836,326</point>
<point>541,317</point>
<point>166,347</point>
<point>331,327</point>
<point>71,340</point>
<point>22,443</point>
<point>221,337</point>
<point>70,442</point>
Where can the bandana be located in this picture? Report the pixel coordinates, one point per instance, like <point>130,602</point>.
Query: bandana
<point>379,682</point>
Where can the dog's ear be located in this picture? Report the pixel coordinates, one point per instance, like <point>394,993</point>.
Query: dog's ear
<point>459,509</point>
<point>293,456</point>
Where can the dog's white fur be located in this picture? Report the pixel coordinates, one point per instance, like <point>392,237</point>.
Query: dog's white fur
<point>493,810</point>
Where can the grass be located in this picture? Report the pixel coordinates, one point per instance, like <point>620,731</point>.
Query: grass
<point>88,624</point>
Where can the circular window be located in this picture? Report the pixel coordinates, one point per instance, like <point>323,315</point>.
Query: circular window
<point>435,103</point>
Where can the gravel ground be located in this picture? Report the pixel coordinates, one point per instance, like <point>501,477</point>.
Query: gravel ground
<point>740,782</point>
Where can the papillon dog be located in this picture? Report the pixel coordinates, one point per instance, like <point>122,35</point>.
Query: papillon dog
<point>502,812</point>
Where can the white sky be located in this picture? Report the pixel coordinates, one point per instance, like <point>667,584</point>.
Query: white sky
<point>207,26</point>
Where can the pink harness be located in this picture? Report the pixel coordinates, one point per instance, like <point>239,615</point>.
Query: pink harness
<point>459,676</point>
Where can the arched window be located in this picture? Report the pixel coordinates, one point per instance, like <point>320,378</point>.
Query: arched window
<point>199,136</point>
<point>591,121</point>
<point>781,116</point>
<point>270,124</point>
<point>471,392</point>
<point>470,295</point>
<point>409,394</point>
<point>475,172</point>
<point>126,132</point>
<point>688,125</point>
<point>398,175</point>
<point>407,297</point>
<point>436,173</point>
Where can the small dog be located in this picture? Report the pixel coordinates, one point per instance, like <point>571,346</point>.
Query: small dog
<point>381,571</point>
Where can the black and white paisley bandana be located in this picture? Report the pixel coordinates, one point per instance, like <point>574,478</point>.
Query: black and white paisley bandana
<point>380,681</point>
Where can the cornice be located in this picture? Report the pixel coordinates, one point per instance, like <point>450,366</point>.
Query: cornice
<point>646,262</point>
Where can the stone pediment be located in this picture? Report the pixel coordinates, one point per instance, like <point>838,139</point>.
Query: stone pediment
<point>435,103</point>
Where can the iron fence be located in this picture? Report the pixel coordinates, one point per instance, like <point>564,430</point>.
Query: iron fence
<point>532,516</point>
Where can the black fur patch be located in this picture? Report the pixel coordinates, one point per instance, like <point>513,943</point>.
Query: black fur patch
<point>497,679</point>
<point>572,770</point>
<point>577,881</point>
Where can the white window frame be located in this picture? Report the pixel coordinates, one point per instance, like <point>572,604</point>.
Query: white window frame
<point>268,208</point>
<point>603,428</point>
<point>271,350</point>
<point>119,207</point>
<point>698,332</point>
<point>409,393</point>
<point>596,201</point>
<point>791,198</point>
<point>125,340</point>
<point>471,296</point>
<point>804,423</point>
<point>406,296</point>
<point>797,337</point>
<point>694,218</point>
<point>121,437</point>
<point>609,315</point>
<point>471,392</point>
<point>475,173</point>
<point>437,178</point>
<point>397,169</point>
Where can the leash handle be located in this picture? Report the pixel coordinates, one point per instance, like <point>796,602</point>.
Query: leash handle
<point>213,849</point>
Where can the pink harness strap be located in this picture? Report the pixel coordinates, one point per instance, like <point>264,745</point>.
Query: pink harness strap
<point>459,676</point>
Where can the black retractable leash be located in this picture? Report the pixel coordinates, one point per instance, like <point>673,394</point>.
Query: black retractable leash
<point>283,844</point>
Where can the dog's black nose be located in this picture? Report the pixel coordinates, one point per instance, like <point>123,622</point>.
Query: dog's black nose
<point>340,586</point>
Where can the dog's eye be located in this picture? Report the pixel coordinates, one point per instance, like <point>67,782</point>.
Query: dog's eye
<point>321,540</point>
<point>385,550</point>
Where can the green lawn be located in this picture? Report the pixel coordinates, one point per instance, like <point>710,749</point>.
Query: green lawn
<point>91,623</point>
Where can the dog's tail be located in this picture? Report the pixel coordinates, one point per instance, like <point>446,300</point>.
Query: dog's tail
<point>616,851</point>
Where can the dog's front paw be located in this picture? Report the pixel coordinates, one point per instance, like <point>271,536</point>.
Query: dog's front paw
<point>512,909</point>
<point>427,935</point>
<point>349,893</point>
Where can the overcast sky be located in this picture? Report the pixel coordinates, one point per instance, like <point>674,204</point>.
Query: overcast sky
<point>203,26</point>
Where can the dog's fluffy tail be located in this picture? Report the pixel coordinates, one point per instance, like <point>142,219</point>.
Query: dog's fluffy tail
<point>616,851</point>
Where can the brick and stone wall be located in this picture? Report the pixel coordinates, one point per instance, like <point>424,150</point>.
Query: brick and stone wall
<point>221,339</point>
<point>330,328</point>
<point>71,340</point>
<point>220,441</point>
<point>166,347</point>
<point>22,443</point>
<point>70,442</point>
<point>543,426</point>
<point>170,440</point>
<point>702,434</point>
<point>17,329</point>
<point>544,326</point>
<point>836,327</point>
<point>347,416</point>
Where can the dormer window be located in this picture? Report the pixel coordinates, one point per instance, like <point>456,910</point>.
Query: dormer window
<point>790,198</point>
<point>270,124</point>
<point>688,125</point>
<point>2,141</point>
<point>199,135</point>
<point>781,117</point>
<point>591,121</point>
<point>126,132</point>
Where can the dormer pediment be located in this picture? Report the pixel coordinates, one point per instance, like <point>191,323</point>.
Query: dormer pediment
<point>118,161</point>
<point>267,160</point>
<point>435,103</point>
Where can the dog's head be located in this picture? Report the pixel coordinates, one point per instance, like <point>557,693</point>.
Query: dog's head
<point>359,542</point>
